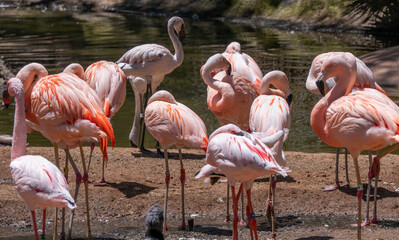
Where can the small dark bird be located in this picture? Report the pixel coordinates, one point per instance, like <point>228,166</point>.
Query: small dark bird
<point>154,223</point>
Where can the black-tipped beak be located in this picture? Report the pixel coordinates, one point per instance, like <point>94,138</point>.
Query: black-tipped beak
<point>239,133</point>
<point>6,97</point>
<point>182,34</point>
<point>228,72</point>
<point>320,86</point>
<point>289,99</point>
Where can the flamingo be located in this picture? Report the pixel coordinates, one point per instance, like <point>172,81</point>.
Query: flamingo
<point>172,123</point>
<point>229,96</point>
<point>355,121</point>
<point>65,110</point>
<point>243,64</point>
<point>38,181</point>
<point>240,157</point>
<point>152,62</point>
<point>270,116</point>
<point>109,82</point>
<point>364,81</point>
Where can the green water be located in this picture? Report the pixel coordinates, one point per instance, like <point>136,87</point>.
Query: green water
<point>56,39</point>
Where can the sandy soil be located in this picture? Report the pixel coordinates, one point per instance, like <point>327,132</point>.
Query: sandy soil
<point>135,182</point>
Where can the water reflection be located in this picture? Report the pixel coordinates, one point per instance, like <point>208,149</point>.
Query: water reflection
<point>56,39</point>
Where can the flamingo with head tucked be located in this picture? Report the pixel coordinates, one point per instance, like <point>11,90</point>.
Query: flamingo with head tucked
<point>152,62</point>
<point>172,123</point>
<point>241,158</point>
<point>65,110</point>
<point>364,81</point>
<point>355,121</point>
<point>270,120</point>
<point>39,182</point>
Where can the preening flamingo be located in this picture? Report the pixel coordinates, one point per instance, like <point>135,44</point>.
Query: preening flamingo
<point>172,123</point>
<point>109,82</point>
<point>270,116</point>
<point>240,157</point>
<point>364,80</point>
<point>355,121</point>
<point>64,109</point>
<point>152,62</point>
<point>39,182</point>
<point>243,64</point>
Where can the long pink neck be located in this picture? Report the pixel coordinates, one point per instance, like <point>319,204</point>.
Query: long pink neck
<point>19,132</point>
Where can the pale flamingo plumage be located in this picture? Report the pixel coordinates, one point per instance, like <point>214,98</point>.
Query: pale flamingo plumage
<point>39,182</point>
<point>172,123</point>
<point>364,81</point>
<point>355,121</point>
<point>270,121</point>
<point>66,111</point>
<point>229,96</point>
<point>152,62</point>
<point>241,158</point>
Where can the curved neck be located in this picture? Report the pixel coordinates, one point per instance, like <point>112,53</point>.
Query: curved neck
<point>344,84</point>
<point>223,88</point>
<point>179,54</point>
<point>28,73</point>
<point>277,79</point>
<point>19,133</point>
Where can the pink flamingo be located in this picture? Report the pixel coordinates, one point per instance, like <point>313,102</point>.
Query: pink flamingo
<point>355,121</point>
<point>65,110</point>
<point>270,118</point>
<point>172,123</point>
<point>364,81</point>
<point>152,62</point>
<point>241,157</point>
<point>243,64</point>
<point>109,82</point>
<point>39,182</point>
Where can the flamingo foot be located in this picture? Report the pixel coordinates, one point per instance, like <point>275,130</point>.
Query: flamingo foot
<point>242,223</point>
<point>227,219</point>
<point>182,227</point>
<point>364,224</point>
<point>102,181</point>
<point>345,184</point>
<point>331,187</point>
<point>374,220</point>
<point>145,151</point>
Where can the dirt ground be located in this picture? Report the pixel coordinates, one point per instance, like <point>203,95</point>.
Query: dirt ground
<point>135,182</point>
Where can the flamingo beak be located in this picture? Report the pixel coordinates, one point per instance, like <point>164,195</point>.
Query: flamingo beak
<point>289,99</point>
<point>320,84</point>
<point>6,97</point>
<point>182,34</point>
<point>228,72</point>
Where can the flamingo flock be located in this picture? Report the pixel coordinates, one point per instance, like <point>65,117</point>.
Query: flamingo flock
<point>76,106</point>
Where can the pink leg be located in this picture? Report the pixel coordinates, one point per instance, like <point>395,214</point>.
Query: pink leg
<point>227,219</point>
<point>34,224</point>
<point>43,235</point>
<point>336,185</point>
<point>182,180</point>
<point>102,180</point>
<point>242,222</point>
<point>167,179</point>
<point>235,210</point>
<point>251,216</point>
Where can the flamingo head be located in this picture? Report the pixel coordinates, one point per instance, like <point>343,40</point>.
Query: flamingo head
<point>6,96</point>
<point>178,26</point>
<point>15,87</point>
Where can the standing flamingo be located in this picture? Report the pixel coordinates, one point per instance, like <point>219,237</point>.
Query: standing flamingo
<point>109,82</point>
<point>270,115</point>
<point>39,182</point>
<point>354,121</point>
<point>364,81</point>
<point>152,62</point>
<point>229,96</point>
<point>172,123</point>
<point>241,157</point>
<point>65,110</point>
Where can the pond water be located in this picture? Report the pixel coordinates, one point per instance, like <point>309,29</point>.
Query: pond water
<point>56,39</point>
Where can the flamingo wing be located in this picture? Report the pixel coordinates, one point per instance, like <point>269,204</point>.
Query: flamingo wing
<point>69,110</point>
<point>144,53</point>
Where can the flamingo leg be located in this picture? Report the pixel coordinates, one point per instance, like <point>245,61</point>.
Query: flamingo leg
<point>86,185</point>
<point>92,146</point>
<point>227,219</point>
<point>359,199</point>
<point>63,209</point>
<point>142,124</point>
<point>34,224</point>
<point>235,210</point>
<point>182,180</point>
<point>167,180</point>
<point>346,184</point>
<point>367,219</point>
<point>374,220</point>
<point>242,222</point>
<point>336,185</point>
<point>102,180</point>
<point>43,235</point>
<point>57,163</point>
<point>251,216</point>
<point>270,207</point>
<point>77,186</point>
